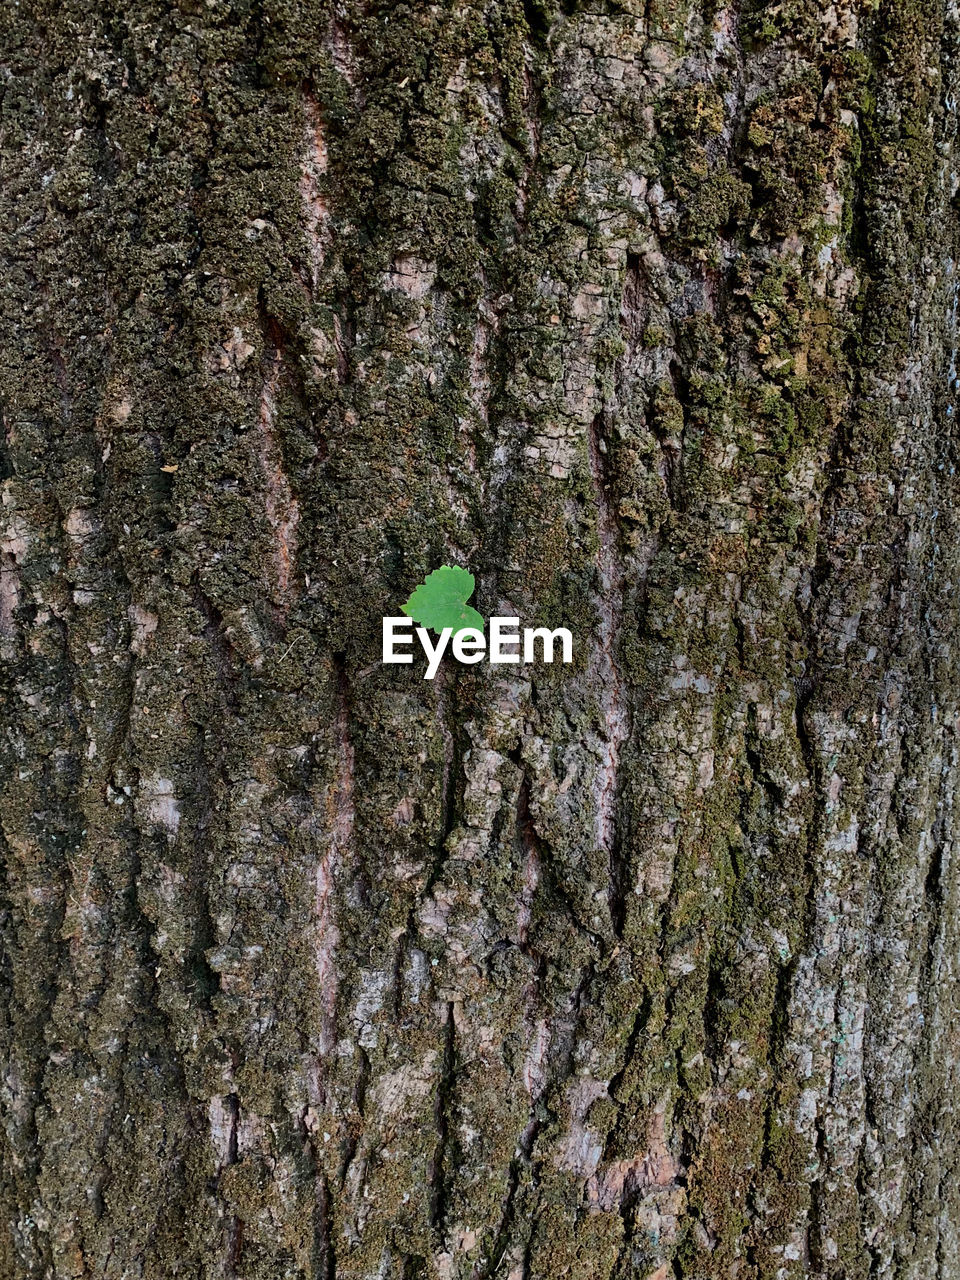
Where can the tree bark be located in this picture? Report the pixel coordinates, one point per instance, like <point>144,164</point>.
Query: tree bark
<point>646,313</point>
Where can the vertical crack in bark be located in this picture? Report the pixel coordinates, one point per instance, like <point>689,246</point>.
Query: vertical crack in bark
<point>355,1132</point>
<point>322,1253</point>
<point>487,1269</point>
<point>9,598</point>
<point>221,650</point>
<point>343,340</point>
<point>531,863</point>
<point>613,696</point>
<point>437,1177</point>
<point>224,1132</point>
<point>451,772</point>
<point>802,704</point>
<point>341,837</point>
<point>326,1263</point>
<point>313,168</point>
<point>280,505</point>
<point>817,1218</point>
<point>531,111</point>
<point>340,47</point>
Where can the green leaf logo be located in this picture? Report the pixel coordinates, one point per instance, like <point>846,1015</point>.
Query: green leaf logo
<point>441,601</point>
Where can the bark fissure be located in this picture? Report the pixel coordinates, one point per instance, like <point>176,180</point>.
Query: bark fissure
<point>613,698</point>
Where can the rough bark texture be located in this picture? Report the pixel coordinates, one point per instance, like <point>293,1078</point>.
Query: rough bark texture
<point>646,312</point>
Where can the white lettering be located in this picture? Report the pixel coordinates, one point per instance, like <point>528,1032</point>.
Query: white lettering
<point>434,653</point>
<point>531,634</point>
<point>391,639</point>
<point>469,645</point>
<point>504,631</point>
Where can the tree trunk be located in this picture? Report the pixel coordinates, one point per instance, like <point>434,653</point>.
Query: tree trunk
<point>646,313</point>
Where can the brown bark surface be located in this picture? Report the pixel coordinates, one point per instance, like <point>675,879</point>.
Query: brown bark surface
<point>644,312</point>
